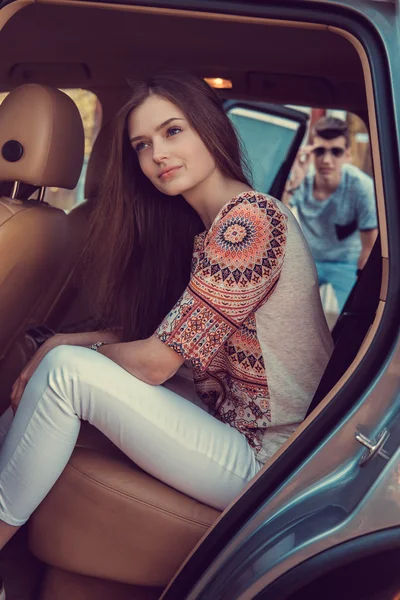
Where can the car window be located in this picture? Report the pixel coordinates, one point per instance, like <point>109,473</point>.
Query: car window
<point>267,139</point>
<point>90,110</point>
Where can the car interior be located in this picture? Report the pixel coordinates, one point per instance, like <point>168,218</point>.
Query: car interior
<point>108,529</point>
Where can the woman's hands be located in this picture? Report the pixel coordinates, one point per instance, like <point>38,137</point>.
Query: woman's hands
<point>19,386</point>
<point>59,339</point>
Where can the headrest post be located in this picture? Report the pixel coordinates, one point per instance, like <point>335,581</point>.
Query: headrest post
<point>41,194</point>
<point>15,190</point>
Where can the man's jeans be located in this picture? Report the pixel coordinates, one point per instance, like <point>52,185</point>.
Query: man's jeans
<point>341,275</point>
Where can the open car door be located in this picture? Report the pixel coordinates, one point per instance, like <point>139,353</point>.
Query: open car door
<point>271,135</point>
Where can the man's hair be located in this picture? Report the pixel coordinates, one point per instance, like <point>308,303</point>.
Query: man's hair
<point>329,128</point>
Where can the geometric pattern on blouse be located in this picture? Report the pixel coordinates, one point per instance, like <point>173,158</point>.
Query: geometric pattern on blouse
<point>235,268</point>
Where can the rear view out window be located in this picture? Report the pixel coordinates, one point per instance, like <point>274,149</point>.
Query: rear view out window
<point>266,139</point>
<point>90,110</point>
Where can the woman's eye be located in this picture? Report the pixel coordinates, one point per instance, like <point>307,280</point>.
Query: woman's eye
<point>174,130</point>
<point>140,146</point>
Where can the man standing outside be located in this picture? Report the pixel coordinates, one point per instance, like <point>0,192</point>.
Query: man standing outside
<point>335,206</point>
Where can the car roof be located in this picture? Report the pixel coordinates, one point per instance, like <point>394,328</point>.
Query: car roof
<point>92,47</point>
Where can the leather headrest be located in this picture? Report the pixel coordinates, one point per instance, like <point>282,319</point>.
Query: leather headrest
<point>41,137</point>
<point>98,162</point>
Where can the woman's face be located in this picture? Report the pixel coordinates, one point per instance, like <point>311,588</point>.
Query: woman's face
<point>170,152</point>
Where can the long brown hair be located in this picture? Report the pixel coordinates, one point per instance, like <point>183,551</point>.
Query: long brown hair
<point>140,241</point>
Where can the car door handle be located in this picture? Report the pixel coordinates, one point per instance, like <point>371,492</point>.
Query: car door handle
<point>375,447</point>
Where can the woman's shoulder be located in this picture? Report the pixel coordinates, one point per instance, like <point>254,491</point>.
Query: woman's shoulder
<point>251,203</point>
<point>250,229</point>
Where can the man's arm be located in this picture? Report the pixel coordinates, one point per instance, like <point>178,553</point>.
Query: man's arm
<point>367,241</point>
<point>367,218</point>
<point>300,169</point>
<point>287,195</point>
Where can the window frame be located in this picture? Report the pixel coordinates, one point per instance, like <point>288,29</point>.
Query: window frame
<point>280,112</point>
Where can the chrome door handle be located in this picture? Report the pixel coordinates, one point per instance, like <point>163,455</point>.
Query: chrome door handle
<point>375,447</point>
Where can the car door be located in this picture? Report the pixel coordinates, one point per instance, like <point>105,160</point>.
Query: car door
<point>331,499</point>
<point>271,135</point>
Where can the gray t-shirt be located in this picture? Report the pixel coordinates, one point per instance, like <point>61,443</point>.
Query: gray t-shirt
<point>332,226</point>
<point>295,341</point>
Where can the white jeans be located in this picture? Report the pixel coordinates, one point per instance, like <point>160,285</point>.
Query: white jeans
<point>166,435</point>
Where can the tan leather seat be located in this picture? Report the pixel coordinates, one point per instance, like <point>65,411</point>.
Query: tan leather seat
<point>67,305</point>
<point>75,307</point>
<point>41,144</point>
<point>105,518</point>
<point>44,126</point>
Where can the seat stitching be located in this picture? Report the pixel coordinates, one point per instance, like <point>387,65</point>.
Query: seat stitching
<point>12,214</point>
<point>144,502</point>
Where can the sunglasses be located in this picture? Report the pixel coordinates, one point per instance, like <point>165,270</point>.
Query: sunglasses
<point>336,151</point>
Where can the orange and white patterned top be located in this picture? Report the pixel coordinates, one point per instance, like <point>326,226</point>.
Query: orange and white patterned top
<point>236,268</point>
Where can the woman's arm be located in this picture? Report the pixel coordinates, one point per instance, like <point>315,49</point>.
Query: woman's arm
<point>86,338</point>
<point>239,269</point>
<point>149,360</point>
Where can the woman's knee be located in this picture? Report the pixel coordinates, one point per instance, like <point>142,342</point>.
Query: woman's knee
<point>74,363</point>
<point>58,371</point>
<point>55,372</point>
<point>64,356</point>
<point>65,359</point>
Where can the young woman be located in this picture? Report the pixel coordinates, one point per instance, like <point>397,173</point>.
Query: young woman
<point>195,268</point>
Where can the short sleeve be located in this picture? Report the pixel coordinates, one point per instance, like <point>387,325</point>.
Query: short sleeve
<point>234,275</point>
<point>366,205</point>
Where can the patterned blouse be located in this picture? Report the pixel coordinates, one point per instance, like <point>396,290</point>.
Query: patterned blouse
<point>235,268</point>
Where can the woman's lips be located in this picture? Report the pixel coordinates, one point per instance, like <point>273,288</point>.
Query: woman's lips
<point>168,173</point>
